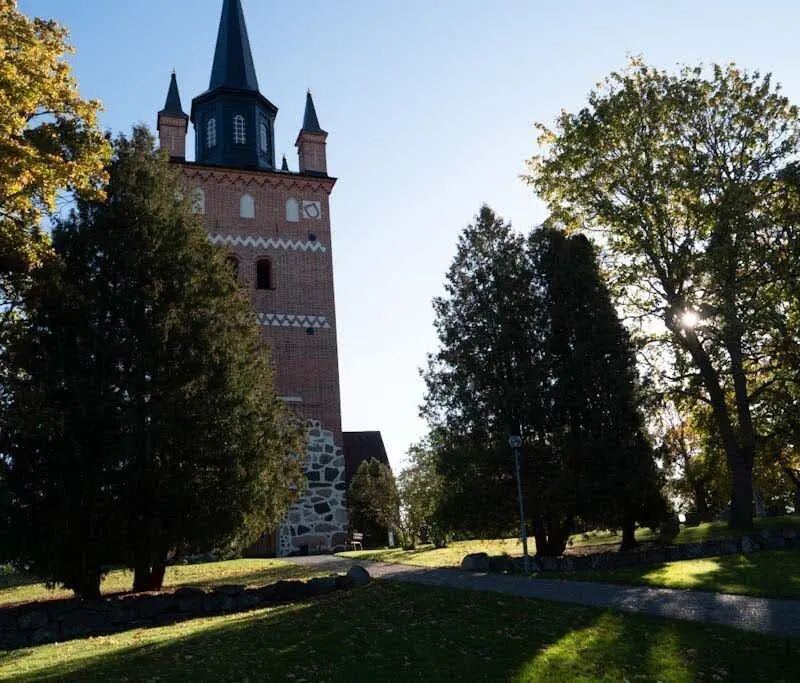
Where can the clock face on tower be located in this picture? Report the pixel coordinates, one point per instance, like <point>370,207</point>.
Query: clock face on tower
<point>311,210</point>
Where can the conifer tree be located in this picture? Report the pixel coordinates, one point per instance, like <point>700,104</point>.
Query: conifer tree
<point>145,422</point>
<point>531,346</point>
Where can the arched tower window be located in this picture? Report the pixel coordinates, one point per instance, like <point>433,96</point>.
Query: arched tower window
<point>238,130</point>
<point>247,206</point>
<point>233,263</point>
<point>264,274</point>
<point>292,210</point>
<point>198,200</point>
<point>264,138</point>
<point>211,133</point>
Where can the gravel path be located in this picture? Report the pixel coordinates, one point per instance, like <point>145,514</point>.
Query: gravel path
<point>763,615</point>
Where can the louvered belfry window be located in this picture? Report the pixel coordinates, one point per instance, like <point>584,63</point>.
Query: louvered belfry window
<point>211,133</point>
<point>238,130</point>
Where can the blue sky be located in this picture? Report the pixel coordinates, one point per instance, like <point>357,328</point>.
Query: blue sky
<point>429,105</point>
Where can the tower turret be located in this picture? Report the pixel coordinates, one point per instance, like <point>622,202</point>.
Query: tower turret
<point>233,122</point>
<point>173,123</point>
<point>311,142</point>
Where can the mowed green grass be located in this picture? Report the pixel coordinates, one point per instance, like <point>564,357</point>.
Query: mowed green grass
<point>774,573</point>
<point>428,556</point>
<point>15,588</point>
<point>391,631</point>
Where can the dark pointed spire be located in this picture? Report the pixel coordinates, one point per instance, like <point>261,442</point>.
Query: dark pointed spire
<point>310,120</point>
<point>233,61</point>
<point>284,165</point>
<point>173,103</point>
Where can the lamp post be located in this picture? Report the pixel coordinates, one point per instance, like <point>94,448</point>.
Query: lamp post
<point>515,442</point>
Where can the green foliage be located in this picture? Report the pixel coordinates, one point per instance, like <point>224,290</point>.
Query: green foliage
<point>688,182</point>
<point>143,420</point>
<point>373,497</point>
<point>421,488</point>
<point>531,345</point>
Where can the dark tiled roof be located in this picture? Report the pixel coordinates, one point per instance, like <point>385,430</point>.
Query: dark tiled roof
<point>173,103</point>
<point>233,60</point>
<point>310,120</point>
<point>361,447</point>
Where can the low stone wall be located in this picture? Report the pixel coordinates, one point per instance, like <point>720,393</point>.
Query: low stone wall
<point>59,620</point>
<point>767,539</point>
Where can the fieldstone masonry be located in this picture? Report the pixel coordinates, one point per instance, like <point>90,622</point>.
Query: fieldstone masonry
<point>318,521</point>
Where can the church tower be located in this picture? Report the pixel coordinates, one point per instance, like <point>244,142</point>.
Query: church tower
<point>276,226</point>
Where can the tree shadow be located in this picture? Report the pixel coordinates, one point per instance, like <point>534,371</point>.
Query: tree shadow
<point>392,631</point>
<point>769,573</point>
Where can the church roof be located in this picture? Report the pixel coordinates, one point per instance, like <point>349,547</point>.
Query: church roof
<point>310,120</point>
<point>173,103</point>
<point>233,60</point>
<point>361,447</point>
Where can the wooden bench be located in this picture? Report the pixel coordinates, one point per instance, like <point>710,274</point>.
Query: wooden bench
<point>357,540</point>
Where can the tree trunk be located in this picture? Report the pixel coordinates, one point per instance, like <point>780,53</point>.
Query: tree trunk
<point>629,535</point>
<point>740,454</point>
<point>551,538</point>
<point>741,517</point>
<point>700,495</point>
<point>88,587</point>
<point>149,578</point>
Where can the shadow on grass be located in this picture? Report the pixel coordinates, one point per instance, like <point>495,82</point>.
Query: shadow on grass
<point>769,573</point>
<point>16,580</point>
<point>395,631</point>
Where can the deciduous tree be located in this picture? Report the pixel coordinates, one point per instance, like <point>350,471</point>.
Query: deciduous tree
<point>682,179</point>
<point>49,143</point>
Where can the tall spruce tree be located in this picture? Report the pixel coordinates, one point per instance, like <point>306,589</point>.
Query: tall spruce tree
<point>531,345</point>
<point>145,421</point>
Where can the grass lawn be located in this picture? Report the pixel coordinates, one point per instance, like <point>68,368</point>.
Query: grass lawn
<point>773,574</point>
<point>390,631</point>
<point>428,556</point>
<point>16,588</point>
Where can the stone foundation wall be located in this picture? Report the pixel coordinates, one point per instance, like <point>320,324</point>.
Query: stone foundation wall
<point>318,521</point>
<point>60,620</point>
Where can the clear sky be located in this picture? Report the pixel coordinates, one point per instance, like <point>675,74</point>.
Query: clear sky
<point>429,105</point>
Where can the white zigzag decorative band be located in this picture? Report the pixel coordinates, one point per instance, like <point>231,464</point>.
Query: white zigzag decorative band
<point>268,243</point>
<point>292,320</point>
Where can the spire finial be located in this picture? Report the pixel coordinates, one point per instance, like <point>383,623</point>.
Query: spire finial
<point>284,165</point>
<point>173,103</point>
<point>310,120</point>
<point>233,60</point>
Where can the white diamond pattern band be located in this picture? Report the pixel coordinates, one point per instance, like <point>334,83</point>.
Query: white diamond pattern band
<point>292,320</point>
<point>266,243</point>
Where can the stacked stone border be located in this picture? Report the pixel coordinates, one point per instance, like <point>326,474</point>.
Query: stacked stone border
<point>53,621</point>
<point>767,539</point>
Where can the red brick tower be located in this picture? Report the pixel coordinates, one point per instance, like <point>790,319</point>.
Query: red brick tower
<point>276,224</point>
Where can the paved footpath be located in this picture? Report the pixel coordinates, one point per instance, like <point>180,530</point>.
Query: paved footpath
<point>763,615</point>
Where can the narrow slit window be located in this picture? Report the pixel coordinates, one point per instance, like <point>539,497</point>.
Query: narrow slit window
<point>263,274</point>
<point>238,130</point>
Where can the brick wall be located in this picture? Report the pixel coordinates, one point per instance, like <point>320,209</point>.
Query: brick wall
<point>298,314</point>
